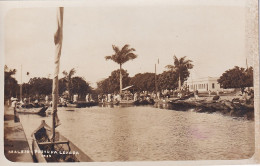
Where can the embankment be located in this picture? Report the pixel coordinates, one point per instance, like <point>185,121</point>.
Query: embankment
<point>236,108</point>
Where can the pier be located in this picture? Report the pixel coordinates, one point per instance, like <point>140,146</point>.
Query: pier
<point>16,147</point>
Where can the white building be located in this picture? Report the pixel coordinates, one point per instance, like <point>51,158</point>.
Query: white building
<point>204,84</point>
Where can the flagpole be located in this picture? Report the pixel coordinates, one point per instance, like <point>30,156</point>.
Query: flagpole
<point>21,86</point>
<point>58,44</point>
<point>155,81</point>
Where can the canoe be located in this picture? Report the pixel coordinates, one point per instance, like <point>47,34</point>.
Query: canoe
<point>82,104</point>
<point>39,111</point>
<point>62,150</point>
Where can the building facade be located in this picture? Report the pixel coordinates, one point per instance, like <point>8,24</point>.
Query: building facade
<point>204,84</point>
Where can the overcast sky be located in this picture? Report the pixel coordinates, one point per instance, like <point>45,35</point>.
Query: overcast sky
<point>211,35</point>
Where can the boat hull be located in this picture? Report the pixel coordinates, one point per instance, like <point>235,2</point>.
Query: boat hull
<point>56,155</point>
<point>40,111</point>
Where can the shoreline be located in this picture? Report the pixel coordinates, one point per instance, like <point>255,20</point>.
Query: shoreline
<point>234,106</point>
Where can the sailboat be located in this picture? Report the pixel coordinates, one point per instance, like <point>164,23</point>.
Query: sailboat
<point>49,145</point>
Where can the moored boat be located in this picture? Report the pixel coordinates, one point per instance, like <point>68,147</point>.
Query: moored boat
<point>61,150</point>
<point>39,111</point>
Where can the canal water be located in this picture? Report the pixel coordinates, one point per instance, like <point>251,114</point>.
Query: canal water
<point>151,134</point>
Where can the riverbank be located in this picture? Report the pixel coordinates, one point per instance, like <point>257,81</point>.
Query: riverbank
<point>16,148</point>
<point>227,105</point>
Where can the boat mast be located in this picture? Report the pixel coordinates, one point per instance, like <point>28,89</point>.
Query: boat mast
<point>55,87</point>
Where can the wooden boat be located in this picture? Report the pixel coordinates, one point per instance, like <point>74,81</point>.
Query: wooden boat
<point>81,104</point>
<point>71,105</point>
<point>49,145</point>
<point>39,111</point>
<point>62,150</point>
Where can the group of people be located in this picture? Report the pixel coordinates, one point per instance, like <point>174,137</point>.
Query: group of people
<point>114,97</point>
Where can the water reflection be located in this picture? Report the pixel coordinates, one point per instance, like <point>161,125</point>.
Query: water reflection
<point>141,133</point>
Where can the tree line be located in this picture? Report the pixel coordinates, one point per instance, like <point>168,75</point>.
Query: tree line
<point>172,78</point>
<point>39,87</point>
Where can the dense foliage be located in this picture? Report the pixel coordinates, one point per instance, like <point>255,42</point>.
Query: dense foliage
<point>39,87</point>
<point>143,82</point>
<point>237,77</point>
<point>167,80</point>
<point>11,86</point>
<point>111,84</point>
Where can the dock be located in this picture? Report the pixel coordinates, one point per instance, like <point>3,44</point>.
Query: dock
<point>16,147</point>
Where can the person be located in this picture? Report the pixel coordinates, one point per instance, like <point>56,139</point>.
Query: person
<point>109,97</point>
<point>14,104</point>
<point>196,94</point>
<point>25,101</point>
<point>36,103</point>
<point>75,98</point>
<point>46,99</point>
<point>209,93</point>
<point>135,96</point>
<point>87,98</point>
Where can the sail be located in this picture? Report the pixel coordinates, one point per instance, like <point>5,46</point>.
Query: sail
<point>58,45</point>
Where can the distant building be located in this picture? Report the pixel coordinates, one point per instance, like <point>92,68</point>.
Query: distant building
<point>204,84</point>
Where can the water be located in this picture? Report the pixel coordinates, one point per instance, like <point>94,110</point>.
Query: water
<point>152,134</point>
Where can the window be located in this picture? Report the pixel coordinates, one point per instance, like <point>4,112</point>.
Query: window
<point>213,85</point>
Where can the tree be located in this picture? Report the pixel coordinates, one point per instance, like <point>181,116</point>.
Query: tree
<point>181,67</point>
<point>40,86</point>
<point>167,80</point>
<point>111,84</point>
<point>120,57</point>
<point>68,78</point>
<point>10,84</point>
<point>80,87</point>
<point>237,77</point>
<point>249,77</point>
<point>143,81</point>
<point>62,86</point>
<point>103,86</point>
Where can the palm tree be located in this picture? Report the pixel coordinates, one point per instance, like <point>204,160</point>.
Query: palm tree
<point>181,67</point>
<point>120,57</point>
<point>68,79</point>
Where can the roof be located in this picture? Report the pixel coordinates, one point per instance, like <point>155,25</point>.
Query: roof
<point>128,87</point>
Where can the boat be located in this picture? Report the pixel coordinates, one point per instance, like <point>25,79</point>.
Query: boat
<point>39,111</point>
<point>144,102</point>
<point>48,145</point>
<point>61,150</point>
<point>82,104</point>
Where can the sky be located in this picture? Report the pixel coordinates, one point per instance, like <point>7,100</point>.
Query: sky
<point>212,35</point>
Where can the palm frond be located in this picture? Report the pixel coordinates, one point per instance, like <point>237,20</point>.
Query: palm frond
<point>65,73</point>
<point>72,72</point>
<point>108,57</point>
<point>116,49</point>
<point>125,47</point>
<point>131,56</point>
<point>171,67</point>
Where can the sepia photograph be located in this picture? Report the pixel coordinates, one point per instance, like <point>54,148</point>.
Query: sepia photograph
<point>130,81</point>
